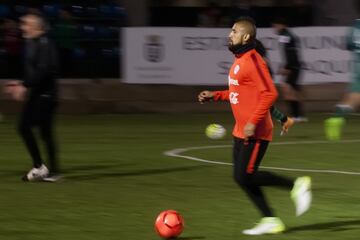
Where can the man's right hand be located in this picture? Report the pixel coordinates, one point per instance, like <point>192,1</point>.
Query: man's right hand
<point>205,96</point>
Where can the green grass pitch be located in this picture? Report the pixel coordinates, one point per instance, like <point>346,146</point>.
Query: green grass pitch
<point>117,180</point>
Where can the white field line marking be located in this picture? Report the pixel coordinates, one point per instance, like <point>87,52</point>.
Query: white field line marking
<point>178,152</point>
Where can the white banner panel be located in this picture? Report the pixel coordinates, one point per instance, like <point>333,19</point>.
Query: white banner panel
<point>199,56</point>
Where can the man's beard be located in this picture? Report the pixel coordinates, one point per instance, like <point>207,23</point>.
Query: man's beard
<point>241,48</point>
<point>234,48</point>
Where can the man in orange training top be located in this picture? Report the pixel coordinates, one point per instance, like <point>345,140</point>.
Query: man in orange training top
<point>251,94</point>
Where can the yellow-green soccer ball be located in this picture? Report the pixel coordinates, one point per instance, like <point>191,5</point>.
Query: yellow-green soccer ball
<point>215,131</point>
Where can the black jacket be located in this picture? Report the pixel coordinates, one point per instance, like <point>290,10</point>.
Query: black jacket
<point>41,67</point>
<point>290,44</point>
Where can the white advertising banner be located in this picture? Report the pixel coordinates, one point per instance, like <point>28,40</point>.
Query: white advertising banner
<point>199,56</point>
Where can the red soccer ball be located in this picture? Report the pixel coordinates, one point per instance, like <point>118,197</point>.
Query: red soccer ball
<point>169,224</point>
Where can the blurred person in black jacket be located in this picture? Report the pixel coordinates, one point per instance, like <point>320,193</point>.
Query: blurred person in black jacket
<point>40,94</point>
<point>291,69</point>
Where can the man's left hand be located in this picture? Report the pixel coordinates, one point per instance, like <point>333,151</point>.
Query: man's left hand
<point>249,130</point>
<point>286,125</point>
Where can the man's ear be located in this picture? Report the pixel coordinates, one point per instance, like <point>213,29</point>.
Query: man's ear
<point>246,38</point>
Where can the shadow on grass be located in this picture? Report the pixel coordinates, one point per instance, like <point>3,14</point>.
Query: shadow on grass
<point>334,226</point>
<point>142,172</point>
<point>95,167</point>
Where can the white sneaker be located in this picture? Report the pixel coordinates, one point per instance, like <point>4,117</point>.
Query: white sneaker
<point>267,225</point>
<point>52,178</point>
<point>36,174</point>
<point>301,194</point>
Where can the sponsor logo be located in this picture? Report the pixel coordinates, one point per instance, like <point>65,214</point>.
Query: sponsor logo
<point>236,69</point>
<point>233,98</point>
<point>284,39</point>
<point>233,81</point>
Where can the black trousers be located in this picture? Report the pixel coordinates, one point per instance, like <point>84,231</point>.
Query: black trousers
<point>293,79</point>
<point>295,105</point>
<point>247,157</point>
<point>39,112</point>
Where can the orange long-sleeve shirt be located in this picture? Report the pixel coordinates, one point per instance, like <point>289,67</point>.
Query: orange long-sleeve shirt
<point>251,94</point>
